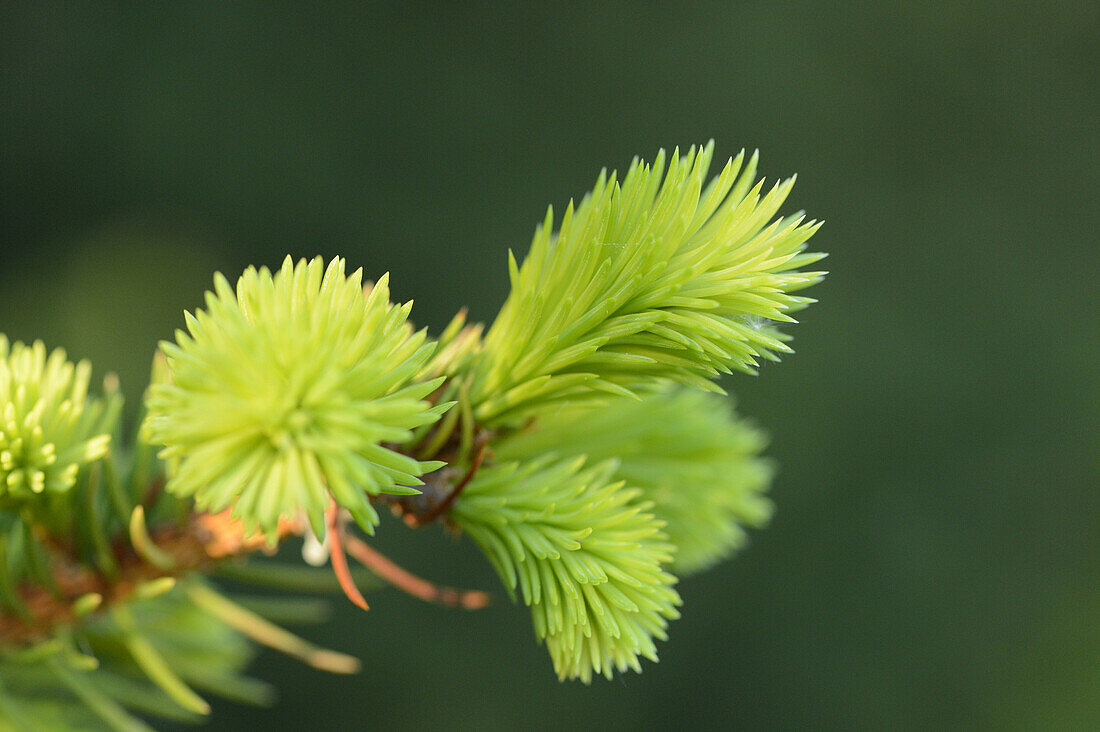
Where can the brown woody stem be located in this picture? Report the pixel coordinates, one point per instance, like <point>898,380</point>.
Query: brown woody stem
<point>197,545</point>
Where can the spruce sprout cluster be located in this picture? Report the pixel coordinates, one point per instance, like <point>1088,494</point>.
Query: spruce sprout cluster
<point>48,427</point>
<point>580,441</point>
<point>299,382</point>
<point>585,554</point>
<point>661,278</point>
<point>685,451</point>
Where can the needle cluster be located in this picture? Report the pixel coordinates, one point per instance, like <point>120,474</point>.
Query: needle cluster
<point>284,393</point>
<point>48,426</point>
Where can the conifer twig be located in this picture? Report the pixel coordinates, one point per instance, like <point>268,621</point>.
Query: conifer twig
<point>408,582</point>
<point>339,560</point>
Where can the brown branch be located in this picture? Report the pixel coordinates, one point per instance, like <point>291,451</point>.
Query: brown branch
<point>197,545</point>
<point>443,506</point>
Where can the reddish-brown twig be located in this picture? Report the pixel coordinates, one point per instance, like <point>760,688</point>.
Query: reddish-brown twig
<point>339,561</point>
<point>408,582</point>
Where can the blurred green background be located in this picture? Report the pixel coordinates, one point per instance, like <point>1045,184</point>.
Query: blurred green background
<point>934,558</point>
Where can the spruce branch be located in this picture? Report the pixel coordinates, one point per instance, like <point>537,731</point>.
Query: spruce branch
<point>573,441</point>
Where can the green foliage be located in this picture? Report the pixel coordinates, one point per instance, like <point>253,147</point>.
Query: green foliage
<point>585,554</point>
<point>687,453</point>
<point>48,427</point>
<point>283,393</point>
<point>664,277</point>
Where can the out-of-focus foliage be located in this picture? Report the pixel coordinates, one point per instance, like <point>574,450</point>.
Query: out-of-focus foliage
<point>90,680</point>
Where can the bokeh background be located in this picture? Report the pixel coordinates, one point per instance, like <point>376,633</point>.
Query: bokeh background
<point>935,557</point>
